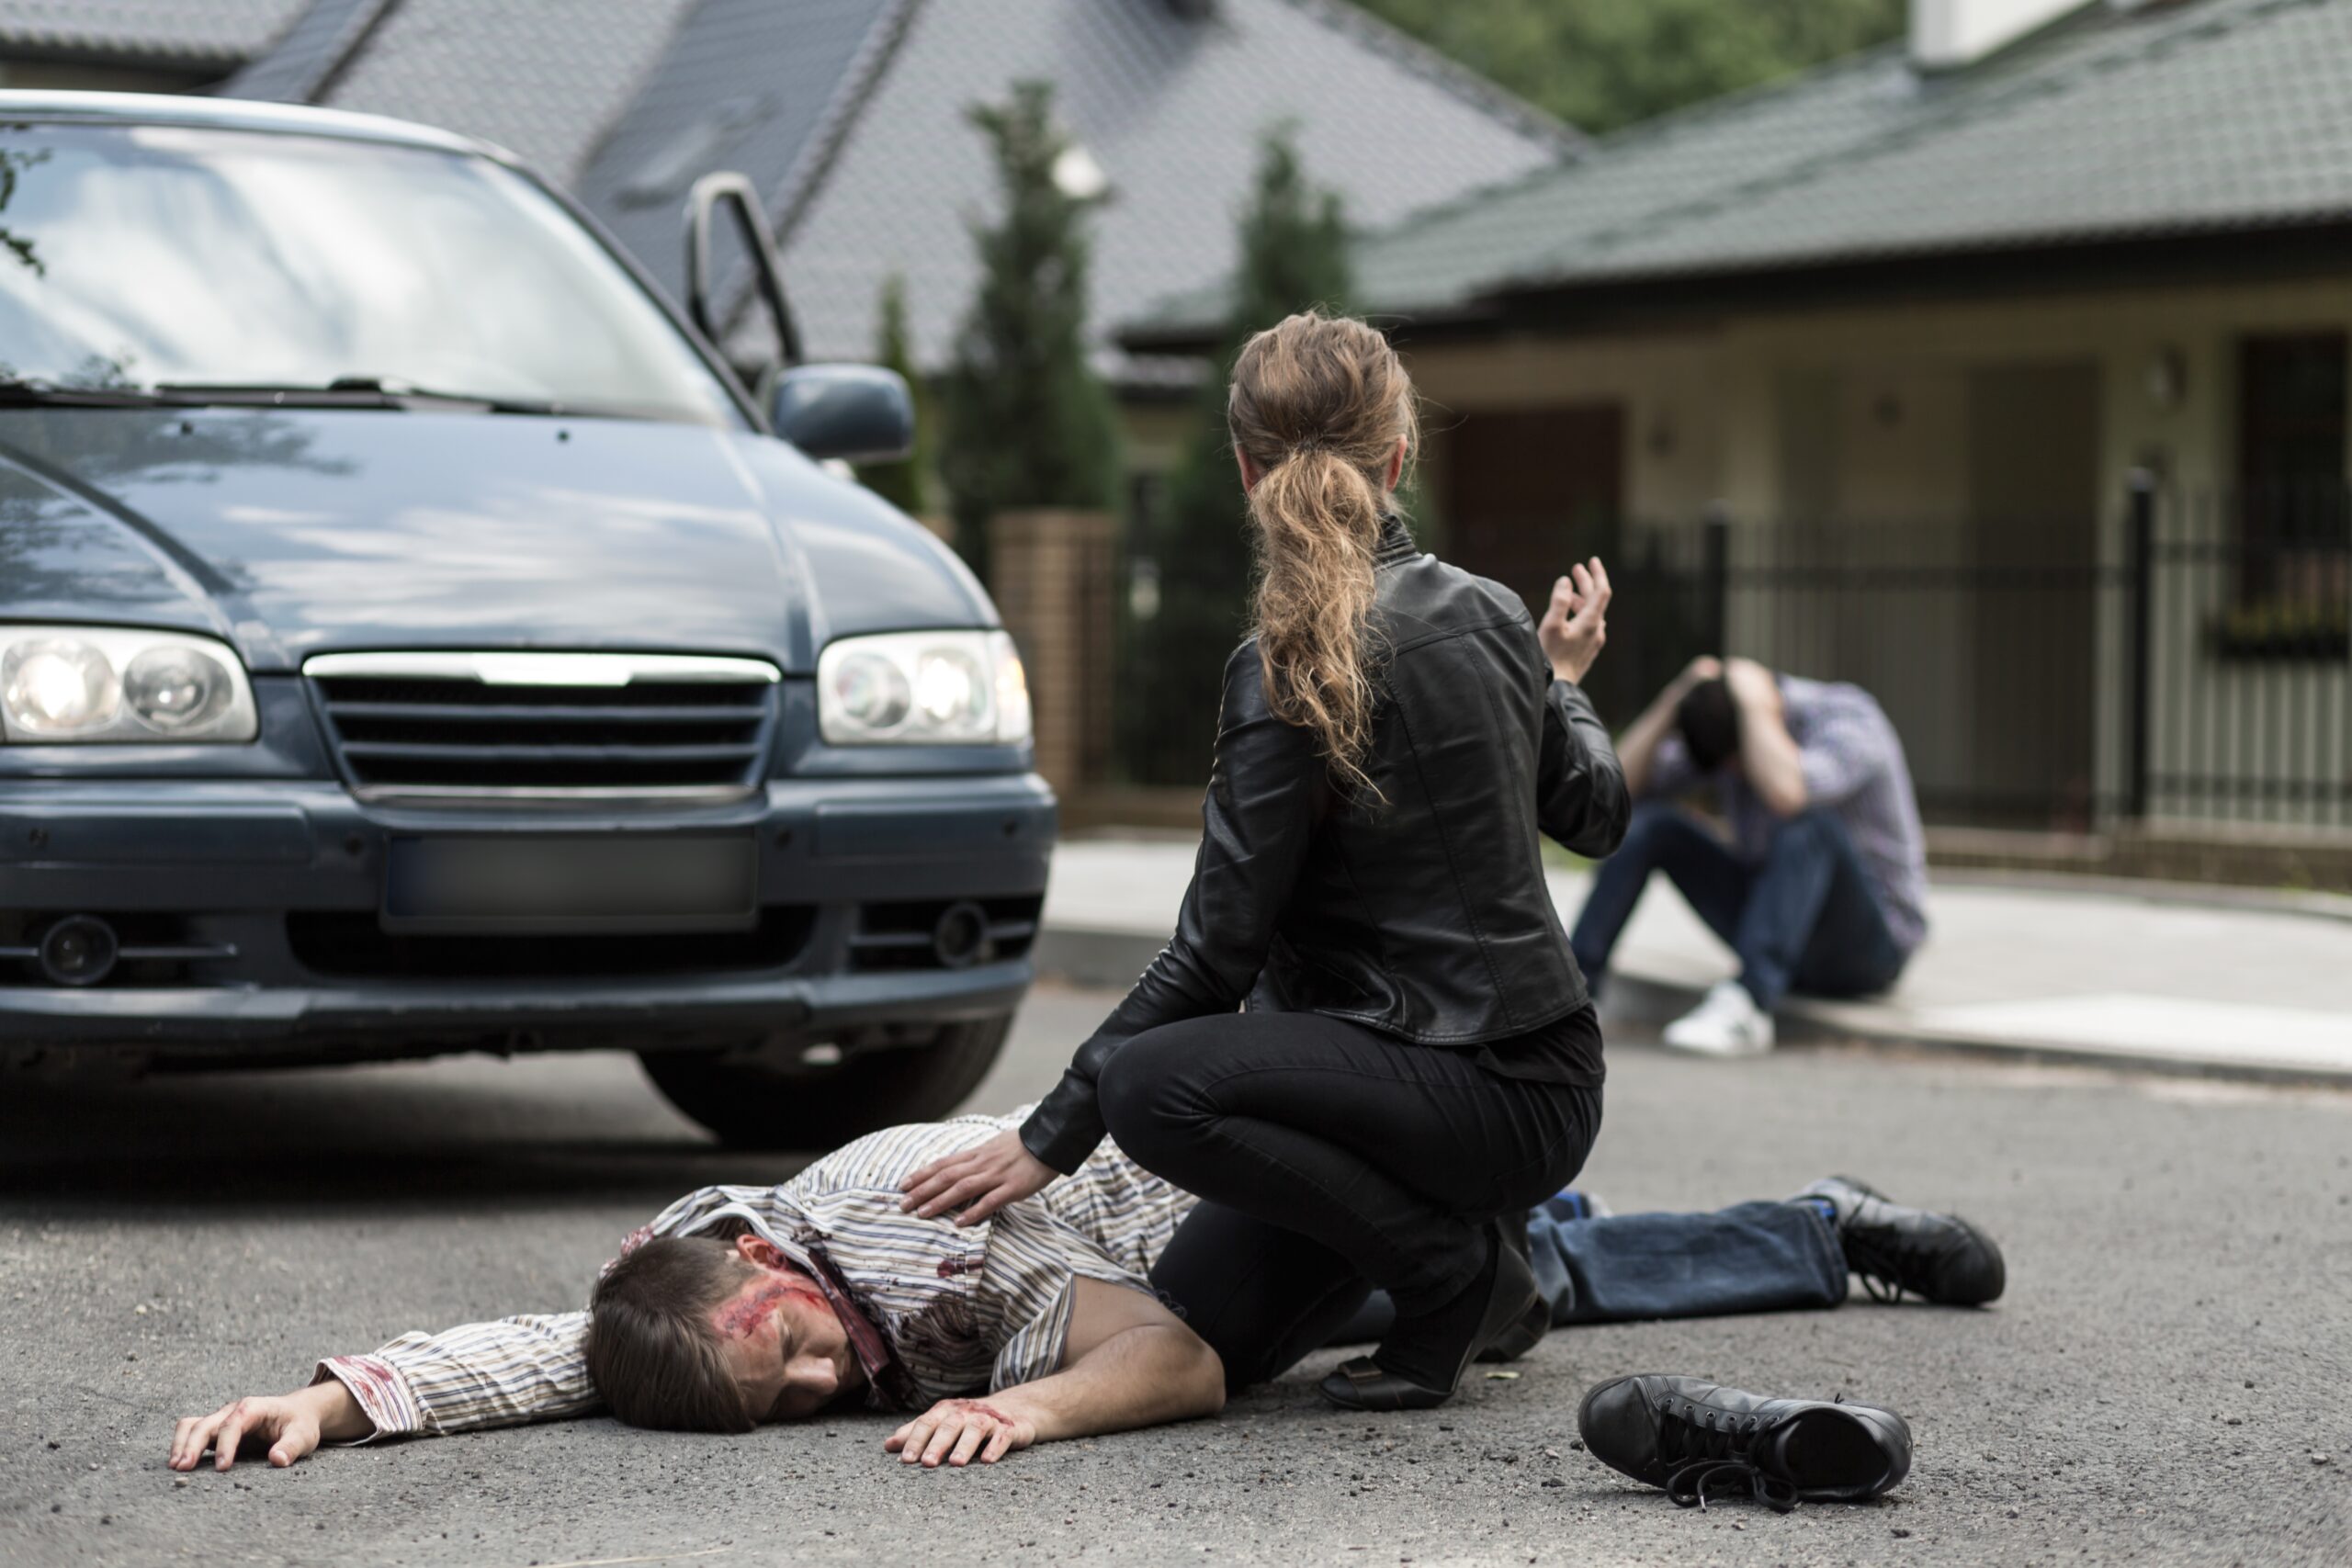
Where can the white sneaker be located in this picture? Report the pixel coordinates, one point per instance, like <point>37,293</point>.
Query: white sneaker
<point>1727,1023</point>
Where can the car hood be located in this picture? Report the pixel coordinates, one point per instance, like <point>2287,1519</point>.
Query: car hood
<point>293,531</point>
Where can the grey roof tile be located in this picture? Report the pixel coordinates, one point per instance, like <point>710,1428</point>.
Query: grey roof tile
<point>849,116</point>
<point>2206,114</point>
<point>739,87</point>
<point>300,63</point>
<point>542,78</point>
<point>1172,107</point>
<point>215,32</point>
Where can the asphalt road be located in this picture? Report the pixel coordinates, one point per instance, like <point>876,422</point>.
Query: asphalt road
<point>2171,1361</point>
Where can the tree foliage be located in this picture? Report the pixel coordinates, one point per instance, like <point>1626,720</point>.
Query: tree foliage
<point>1027,422</point>
<point>905,484</point>
<point>1599,64</point>
<point>1292,255</point>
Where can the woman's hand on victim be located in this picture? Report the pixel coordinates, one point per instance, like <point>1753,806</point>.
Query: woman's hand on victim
<point>978,1180</point>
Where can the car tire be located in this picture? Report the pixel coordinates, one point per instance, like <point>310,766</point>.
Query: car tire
<point>755,1107</point>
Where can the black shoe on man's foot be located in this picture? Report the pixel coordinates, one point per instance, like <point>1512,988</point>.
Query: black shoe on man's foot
<point>1421,1364</point>
<point>1941,1257</point>
<point>1694,1438</point>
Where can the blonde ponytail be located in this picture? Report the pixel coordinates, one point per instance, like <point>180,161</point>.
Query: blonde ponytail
<point>1319,404</point>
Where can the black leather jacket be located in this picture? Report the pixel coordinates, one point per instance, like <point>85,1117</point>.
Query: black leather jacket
<point>1426,918</point>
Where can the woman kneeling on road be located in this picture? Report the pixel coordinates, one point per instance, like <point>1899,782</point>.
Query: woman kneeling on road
<point>1419,1055</point>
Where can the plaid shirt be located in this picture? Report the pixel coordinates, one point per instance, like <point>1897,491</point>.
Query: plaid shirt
<point>933,1311</point>
<point>1853,764</point>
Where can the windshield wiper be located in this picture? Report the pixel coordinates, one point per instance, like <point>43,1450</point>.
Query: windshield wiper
<point>24,392</point>
<point>347,391</point>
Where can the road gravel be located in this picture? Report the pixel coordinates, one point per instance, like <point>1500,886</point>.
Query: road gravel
<point>2166,1382</point>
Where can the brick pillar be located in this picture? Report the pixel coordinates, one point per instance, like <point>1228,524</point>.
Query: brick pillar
<point>1052,573</point>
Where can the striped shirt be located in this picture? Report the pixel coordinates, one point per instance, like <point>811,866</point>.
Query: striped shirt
<point>956,1309</point>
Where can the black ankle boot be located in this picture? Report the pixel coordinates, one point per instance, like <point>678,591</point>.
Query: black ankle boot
<point>1534,1324</point>
<point>1697,1438</point>
<point>1504,1294</point>
<point>1939,1257</point>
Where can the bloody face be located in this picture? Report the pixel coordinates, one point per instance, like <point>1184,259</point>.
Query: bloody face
<point>784,1344</point>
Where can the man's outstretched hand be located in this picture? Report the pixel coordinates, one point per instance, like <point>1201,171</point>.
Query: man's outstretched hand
<point>287,1426</point>
<point>1576,625</point>
<point>978,1180</point>
<point>957,1431</point>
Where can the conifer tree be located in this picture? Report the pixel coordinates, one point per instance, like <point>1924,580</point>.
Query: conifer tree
<point>1294,254</point>
<point>905,484</point>
<point>1027,422</point>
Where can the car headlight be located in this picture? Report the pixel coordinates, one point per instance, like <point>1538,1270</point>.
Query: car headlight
<point>922,689</point>
<point>118,686</point>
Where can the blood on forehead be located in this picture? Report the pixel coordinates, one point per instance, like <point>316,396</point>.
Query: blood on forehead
<point>744,1313</point>
<point>741,1314</point>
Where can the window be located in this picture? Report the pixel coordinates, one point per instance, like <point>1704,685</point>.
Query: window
<point>2293,545</point>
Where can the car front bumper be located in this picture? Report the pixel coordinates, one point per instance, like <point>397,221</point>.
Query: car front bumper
<point>269,890</point>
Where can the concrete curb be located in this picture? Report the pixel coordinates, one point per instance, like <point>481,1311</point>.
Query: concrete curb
<point>2181,894</point>
<point>1106,958</point>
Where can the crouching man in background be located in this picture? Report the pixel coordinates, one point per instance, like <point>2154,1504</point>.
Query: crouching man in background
<point>1821,886</point>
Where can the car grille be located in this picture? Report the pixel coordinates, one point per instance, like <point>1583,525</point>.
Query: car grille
<point>354,945</point>
<point>435,725</point>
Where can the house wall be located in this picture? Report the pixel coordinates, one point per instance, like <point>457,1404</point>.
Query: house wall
<point>2260,722</point>
<point>1916,417</point>
<point>1669,386</point>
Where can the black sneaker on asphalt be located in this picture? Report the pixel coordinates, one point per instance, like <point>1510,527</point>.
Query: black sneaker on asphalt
<point>1939,1257</point>
<point>1694,1438</point>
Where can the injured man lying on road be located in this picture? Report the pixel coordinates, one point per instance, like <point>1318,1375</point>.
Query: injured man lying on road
<point>1108,1301</point>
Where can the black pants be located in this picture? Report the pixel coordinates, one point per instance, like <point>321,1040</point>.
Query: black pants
<point>1330,1159</point>
<point>1805,918</point>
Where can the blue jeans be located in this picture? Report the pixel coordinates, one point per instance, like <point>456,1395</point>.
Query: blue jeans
<point>1761,1256</point>
<point>1803,919</point>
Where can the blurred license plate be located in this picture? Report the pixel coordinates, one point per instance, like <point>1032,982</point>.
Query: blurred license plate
<point>699,884</point>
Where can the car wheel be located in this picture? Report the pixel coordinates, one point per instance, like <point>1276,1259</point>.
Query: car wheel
<point>753,1106</point>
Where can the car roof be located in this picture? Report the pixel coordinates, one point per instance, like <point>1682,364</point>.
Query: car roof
<point>236,114</point>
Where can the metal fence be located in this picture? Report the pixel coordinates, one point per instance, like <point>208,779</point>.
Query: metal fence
<point>2185,658</point>
<point>2174,657</point>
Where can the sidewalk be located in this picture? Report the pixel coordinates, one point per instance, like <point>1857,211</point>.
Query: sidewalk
<point>2160,978</point>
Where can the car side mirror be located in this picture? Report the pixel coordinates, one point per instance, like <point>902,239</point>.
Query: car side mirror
<point>861,414</point>
<point>741,199</point>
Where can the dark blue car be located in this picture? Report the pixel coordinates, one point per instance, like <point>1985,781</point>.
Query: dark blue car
<point>413,640</point>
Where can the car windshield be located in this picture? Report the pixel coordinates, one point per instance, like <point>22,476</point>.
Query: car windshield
<point>144,257</point>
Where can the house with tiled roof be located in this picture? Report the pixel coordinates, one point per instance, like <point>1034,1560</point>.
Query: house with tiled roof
<point>849,118</point>
<point>1914,323</point>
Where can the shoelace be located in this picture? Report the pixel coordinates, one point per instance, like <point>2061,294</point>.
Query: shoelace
<point>1883,1264</point>
<point>1714,1451</point>
<point>1689,1485</point>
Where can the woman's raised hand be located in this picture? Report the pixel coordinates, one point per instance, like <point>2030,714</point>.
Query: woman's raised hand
<point>1575,625</point>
